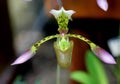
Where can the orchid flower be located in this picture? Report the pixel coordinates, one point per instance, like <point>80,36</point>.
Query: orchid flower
<point>63,46</point>
<point>103,4</point>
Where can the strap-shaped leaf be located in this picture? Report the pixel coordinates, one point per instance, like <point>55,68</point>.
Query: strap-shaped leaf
<point>95,68</point>
<point>81,77</point>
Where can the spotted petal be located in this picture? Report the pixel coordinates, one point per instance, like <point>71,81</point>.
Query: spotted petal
<point>103,4</point>
<point>103,55</point>
<point>24,57</point>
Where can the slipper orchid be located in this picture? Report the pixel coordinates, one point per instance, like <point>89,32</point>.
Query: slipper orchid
<point>63,47</point>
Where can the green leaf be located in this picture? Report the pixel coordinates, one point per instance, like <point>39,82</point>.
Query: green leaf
<point>95,68</point>
<point>81,77</point>
<point>18,80</point>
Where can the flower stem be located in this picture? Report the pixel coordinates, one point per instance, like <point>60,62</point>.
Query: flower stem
<point>58,75</point>
<point>59,3</point>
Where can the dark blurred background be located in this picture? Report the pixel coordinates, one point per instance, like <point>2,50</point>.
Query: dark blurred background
<point>23,22</point>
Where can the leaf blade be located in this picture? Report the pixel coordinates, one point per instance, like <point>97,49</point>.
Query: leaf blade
<point>96,69</point>
<point>81,77</point>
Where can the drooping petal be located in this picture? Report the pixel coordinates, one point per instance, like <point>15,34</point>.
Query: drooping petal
<point>24,57</point>
<point>103,55</point>
<point>103,4</point>
<point>32,51</point>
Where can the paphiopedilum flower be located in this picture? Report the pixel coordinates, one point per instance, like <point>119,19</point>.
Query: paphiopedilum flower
<point>103,4</point>
<point>63,47</point>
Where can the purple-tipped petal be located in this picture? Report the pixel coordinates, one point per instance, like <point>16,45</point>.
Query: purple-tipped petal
<point>104,55</point>
<point>103,4</point>
<point>24,57</point>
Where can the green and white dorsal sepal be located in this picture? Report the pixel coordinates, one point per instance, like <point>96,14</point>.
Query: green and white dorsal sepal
<point>62,16</point>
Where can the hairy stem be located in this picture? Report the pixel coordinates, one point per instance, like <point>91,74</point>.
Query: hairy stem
<point>59,3</point>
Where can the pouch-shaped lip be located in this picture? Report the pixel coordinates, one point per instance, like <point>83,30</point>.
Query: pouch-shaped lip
<point>64,57</point>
